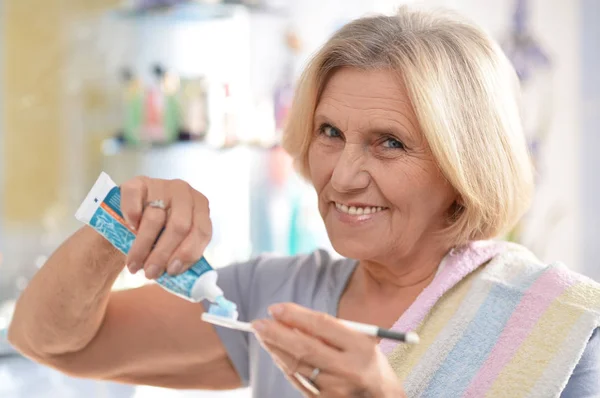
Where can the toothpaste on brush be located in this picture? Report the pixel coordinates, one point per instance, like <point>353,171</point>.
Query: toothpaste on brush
<point>101,210</point>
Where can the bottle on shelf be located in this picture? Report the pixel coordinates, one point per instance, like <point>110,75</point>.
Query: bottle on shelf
<point>132,106</point>
<point>194,109</point>
<point>161,108</point>
<point>229,118</point>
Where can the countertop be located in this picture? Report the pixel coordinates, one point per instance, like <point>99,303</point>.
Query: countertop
<point>22,378</point>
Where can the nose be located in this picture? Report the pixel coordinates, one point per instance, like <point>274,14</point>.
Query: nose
<point>349,174</point>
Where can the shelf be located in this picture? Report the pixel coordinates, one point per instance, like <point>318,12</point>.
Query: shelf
<point>193,12</point>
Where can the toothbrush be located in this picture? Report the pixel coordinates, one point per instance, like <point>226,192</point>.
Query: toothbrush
<point>371,330</point>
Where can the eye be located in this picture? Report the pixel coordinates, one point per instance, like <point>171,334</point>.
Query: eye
<point>329,131</point>
<point>393,143</point>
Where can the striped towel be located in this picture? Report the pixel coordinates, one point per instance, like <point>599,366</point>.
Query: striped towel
<point>495,322</point>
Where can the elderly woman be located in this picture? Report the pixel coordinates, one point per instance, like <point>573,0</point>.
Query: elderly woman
<point>408,127</point>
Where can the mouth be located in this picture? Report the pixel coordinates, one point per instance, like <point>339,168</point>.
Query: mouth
<point>360,210</point>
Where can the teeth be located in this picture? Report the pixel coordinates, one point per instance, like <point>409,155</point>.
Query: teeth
<point>358,211</point>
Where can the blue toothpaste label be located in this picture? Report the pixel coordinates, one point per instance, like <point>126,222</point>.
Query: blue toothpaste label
<point>183,283</point>
<point>109,222</point>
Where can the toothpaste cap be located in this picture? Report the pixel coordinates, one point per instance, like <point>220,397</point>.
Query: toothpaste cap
<point>206,288</point>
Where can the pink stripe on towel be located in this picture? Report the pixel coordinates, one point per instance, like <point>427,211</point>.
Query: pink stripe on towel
<point>526,315</point>
<point>457,266</point>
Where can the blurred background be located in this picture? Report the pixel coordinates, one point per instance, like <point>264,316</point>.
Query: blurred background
<point>200,90</point>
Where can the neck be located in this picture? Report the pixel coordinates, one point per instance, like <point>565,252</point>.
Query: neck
<point>398,277</point>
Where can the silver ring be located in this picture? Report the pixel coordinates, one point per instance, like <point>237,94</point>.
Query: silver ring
<point>313,375</point>
<point>308,384</point>
<point>157,204</point>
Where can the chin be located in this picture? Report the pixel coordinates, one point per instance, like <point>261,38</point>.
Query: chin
<point>355,248</point>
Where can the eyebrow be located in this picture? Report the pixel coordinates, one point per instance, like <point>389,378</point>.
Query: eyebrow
<point>377,127</point>
<point>385,127</point>
<point>320,118</point>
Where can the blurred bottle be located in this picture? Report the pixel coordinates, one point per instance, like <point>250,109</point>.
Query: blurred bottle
<point>132,105</point>
<point>170,85</point>
<point>161,108</point>
<point>194,108</point>
<point>223,131</point>
<point>229,118</point>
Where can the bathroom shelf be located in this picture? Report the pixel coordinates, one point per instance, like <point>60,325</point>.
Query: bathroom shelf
<point>195,12</point>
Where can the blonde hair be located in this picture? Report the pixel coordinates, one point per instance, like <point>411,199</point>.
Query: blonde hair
<point>466,97</point>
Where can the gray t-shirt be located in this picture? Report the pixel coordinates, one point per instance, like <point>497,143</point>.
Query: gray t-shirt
<point>316,281</point>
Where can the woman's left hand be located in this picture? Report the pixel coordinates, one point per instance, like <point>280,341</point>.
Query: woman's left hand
<point>349,363</point>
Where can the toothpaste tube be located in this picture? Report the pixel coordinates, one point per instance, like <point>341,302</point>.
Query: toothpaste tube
<point>101,210</point>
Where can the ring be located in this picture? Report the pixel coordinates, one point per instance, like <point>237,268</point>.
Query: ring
<point>307,383</point>
<point>157,204</point>
<point>313,375</point>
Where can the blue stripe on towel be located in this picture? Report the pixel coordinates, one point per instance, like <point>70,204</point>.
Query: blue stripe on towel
<point>451,379</point>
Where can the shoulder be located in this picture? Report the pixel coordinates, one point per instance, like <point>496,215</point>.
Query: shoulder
<point>521,258</point>
<point>515,265</point>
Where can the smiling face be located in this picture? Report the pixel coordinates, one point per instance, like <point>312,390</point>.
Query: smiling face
<point>381,194</point>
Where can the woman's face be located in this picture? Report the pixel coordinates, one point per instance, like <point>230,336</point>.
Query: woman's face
<point>380,191</point>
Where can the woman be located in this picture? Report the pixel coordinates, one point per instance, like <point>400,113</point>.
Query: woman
<point>408,128</point>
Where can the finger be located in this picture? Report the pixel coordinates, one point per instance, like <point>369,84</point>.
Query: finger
<point>334,386</point>
<point>318,324</point>
<point>133,196</point>
<point>152,223</point>
<point>306,393</point>
<point>193,246</point>
<point>302,347</point>
<point>328,384</point>
<point>288,366</point>
<point>299,386</point>
<point>309,386</point>
<point>179,224</point>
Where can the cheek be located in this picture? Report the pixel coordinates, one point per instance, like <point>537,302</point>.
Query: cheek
<point>395,185</point>
<point>312,167</point>
<point>434,198</point>
<point>318,167</point>
<point>443,192</point>
<point>415,191</point>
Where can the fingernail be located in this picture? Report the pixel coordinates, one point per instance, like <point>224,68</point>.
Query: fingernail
<point>276,310</point>
<point>175,267</point>
<point>133,268</point>
<point>259,326</point>
<point>129,225</point>
<point>152,271</point>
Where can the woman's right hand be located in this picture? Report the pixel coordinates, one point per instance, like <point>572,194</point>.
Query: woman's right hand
<point>186,223</point>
